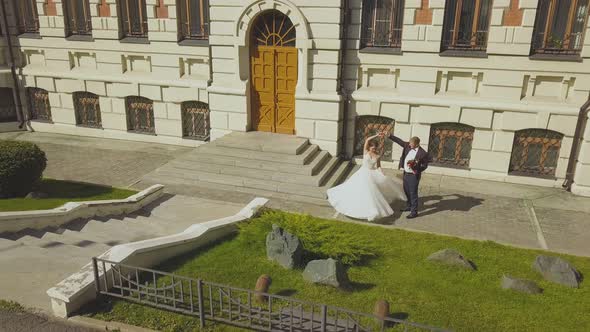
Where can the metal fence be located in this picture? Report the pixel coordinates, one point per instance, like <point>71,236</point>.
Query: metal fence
<point>231,305</point>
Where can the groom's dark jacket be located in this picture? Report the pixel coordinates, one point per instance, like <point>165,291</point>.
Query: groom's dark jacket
<point>422,157</point>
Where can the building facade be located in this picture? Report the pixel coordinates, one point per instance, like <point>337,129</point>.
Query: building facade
<point>494,88</point>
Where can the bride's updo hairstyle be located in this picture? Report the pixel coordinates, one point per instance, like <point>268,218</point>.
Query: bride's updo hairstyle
<point>374,143</point>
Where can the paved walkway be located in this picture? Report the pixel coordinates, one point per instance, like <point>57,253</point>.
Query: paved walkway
<point>30,322</point>
<point>518,215</point>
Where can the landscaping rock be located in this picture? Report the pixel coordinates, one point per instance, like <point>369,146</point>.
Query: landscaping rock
<point>283,247</point>
<point>262,286</point>
<point>326,272</point>
<point>557,270</point>
<point>451,257</point>
<point>520,285</point>
<point>36,195</point>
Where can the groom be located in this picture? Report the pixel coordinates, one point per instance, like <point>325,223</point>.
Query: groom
<point>414,161</point>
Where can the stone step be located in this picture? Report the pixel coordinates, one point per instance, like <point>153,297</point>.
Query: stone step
<point>59,248</point>
<point>339,175</point>
<point>205,160</point>
<point>264,142</point>
<point>284,196</point>
<point>76,239</point>
<point>158,226</point>
<point>117,230</point>
<point>6,244</point>
<point>97,237</point>
<point>304,158</point>
<point>240,176</point>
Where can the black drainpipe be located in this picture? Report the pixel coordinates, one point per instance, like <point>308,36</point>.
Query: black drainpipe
<point>576,145</point>
<point>16,90</point>
<point>341,87</point>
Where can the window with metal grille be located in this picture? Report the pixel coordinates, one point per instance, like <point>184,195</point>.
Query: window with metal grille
<point>450,144</point>
<point>27,18</point>
<point>87,109</point>
<point>133,18</point>
<point>535,152</point>
<point>39,107</point>
<point>7,106</point>
<point>466,24</point>
<point>195,120</point>
<point>559,27</point>
<point>369,125</point>
<point>77,17</point>
<point>140,115</point>
<point>382,23</point>
<point>193,19</point>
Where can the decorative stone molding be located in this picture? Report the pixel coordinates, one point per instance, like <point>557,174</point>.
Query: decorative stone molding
<point>78,289</point>
<point>513,15</point>
<point>18,221</point>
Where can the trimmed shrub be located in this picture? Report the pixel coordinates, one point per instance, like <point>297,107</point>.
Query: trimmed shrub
<point>21,167</point>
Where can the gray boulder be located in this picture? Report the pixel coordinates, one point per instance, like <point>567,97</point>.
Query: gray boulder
<point>326,272</point>
<point>520,285</point>
<point>283,247</point>
<point>557,270</point>
<point>36,195</point>
<point>451,257</point>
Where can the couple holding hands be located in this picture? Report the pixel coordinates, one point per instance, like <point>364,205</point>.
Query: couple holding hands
<point>368,193</point>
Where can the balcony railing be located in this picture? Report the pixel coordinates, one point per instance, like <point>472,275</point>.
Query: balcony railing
<point>77,17</point>
<point>27,16</point>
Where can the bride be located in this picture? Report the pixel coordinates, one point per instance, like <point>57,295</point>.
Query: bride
<point>368,193</point>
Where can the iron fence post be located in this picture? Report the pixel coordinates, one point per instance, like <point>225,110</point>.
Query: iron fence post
<point>96,281</point>
<point>324,313</point>
<point>201,305</point>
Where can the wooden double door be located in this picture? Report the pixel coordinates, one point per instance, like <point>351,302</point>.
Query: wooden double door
<point>274,78</point>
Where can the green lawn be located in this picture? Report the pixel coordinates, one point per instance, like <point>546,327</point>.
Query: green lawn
<point>384,263</point>
<point>60,192</point>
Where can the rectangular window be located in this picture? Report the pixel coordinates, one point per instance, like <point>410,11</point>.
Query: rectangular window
<point>535,152</point>
<point>27,18</point>
<point>133,18</point>
<point>466,25</point>
<point>7,107</point>
<point>193,19</point>
<point>382,23</point>
<point>77,17</point>
<point>559,27</point>
<point>39,107</point>
<point>140,115</point>
<point>450,144</point>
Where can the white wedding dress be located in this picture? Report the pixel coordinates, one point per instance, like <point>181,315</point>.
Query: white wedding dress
<point>367,194</point>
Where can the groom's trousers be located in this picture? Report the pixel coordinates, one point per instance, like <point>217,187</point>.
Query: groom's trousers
<point>411,182</point>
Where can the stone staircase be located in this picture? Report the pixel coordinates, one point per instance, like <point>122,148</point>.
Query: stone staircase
<point>269,165</point>
<point>33,261</point>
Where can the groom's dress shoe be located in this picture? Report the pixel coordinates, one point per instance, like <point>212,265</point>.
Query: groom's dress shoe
<point>412,215</point>
<point>405,209</point>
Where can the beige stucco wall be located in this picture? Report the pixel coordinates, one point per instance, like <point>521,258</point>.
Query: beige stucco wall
<point>498,95</point>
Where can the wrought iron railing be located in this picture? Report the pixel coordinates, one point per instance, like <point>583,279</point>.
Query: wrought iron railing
<point>87,109</point>
<point>133,18</point>
<point>466,25</point>
<point>382,23</point>
<point>535,152</point>
<point>450,144</point>
<point>77,17</point>
<point>369,125</point>
<point>559,27</point>
<point>27,16</point>
<point>140,115</point>
<point>231,305</point>
<point>39,107</point>
<point>195,120</point>
<point>193,19</point>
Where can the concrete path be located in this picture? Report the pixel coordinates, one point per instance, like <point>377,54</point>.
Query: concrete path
<point>30,322</point>
<point>34,261</point>
<point>518,215</point>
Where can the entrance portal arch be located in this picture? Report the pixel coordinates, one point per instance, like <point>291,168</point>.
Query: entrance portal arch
<point>273,72</point>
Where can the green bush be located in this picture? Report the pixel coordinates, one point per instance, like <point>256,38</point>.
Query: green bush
<point>21,167</point>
